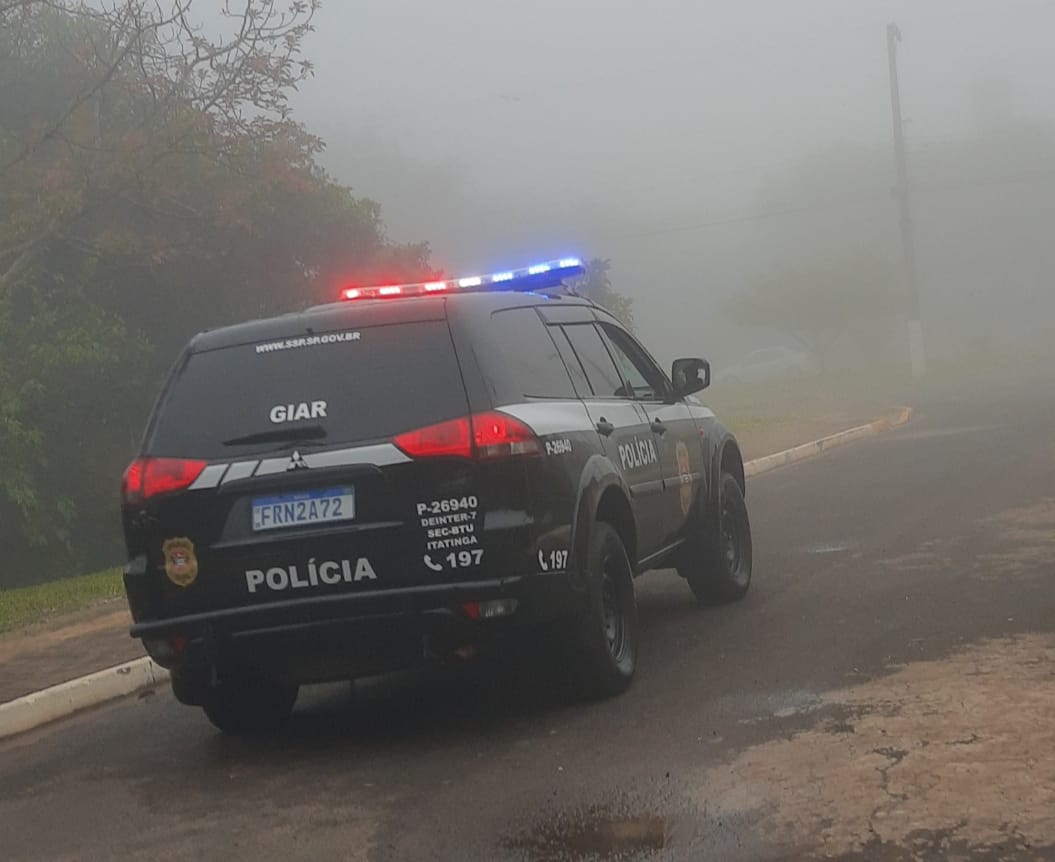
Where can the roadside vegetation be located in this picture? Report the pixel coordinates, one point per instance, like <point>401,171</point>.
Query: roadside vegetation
<point>768,414</point>
<point>24,605</point>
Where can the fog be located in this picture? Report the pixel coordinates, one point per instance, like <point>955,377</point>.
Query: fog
<point>733,163</point>
<point>701,146</point>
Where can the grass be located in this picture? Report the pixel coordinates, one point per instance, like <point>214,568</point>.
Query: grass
<point>24,605</point>
<point>742,424</point>
<point>757,409</point>
<point>764,403</point>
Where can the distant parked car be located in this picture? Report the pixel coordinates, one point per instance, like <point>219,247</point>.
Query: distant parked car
<point>769,363</point>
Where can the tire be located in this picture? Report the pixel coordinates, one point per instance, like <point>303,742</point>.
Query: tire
<point>717,564</point>
<point>190,689</point>
<point>606,637</point>
<point>247,706</point>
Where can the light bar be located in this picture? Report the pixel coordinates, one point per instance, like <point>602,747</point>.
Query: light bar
<point>535,277</point>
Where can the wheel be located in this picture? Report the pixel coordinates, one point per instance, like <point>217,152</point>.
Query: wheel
<point>245,706</point>
<point>607,634</point>
<point>717,562</point>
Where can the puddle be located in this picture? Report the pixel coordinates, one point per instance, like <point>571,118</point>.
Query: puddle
<point>595,835</point>
<point>777,704</point>
<point>830,548</point>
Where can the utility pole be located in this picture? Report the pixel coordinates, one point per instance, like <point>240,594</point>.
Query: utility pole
<point>908,243</point>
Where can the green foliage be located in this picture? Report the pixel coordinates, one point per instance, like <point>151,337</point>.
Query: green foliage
<point>815,304</point>
<point>596,285</point>
<point>25,605</point>
<point>152,184</point>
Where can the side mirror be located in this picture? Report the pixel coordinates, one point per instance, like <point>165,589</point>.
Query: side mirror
<point>690,375</point>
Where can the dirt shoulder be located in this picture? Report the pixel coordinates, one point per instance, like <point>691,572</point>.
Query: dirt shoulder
<point>64,648</point>
<point>942,759</point>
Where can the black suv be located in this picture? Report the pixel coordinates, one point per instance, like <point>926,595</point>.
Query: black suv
<point>412,473</point>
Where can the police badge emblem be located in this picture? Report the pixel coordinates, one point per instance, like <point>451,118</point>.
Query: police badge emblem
<point>181,565</point>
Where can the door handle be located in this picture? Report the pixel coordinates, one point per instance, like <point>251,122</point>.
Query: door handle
<point>605,427</point>
<point>658,427</point>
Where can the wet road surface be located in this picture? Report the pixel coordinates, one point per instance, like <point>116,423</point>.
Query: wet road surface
<point>881,693</point>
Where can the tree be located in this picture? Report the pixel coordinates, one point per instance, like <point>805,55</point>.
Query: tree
<point>152,184</point>
<point>596,285</point>
<point>105,107</point>
<point>816,304</point>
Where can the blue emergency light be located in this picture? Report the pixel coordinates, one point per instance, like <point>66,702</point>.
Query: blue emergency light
<point>536,277</point>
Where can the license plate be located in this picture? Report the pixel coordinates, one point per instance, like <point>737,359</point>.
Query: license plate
<point>308,507</point>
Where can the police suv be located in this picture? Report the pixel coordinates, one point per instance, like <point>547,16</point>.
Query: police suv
<point>413,471</point>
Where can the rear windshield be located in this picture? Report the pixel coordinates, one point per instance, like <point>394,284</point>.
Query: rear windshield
<point>343,387</point>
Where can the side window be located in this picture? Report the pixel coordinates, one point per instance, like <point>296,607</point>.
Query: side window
<point>522,360</point>
<point>647,381</point>
<point>571,361</point>
<point>605,379</point>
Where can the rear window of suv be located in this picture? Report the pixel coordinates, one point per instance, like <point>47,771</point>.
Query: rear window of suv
<point>374,383</point>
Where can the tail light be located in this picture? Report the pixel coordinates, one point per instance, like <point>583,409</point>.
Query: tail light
<point>485,436</point>
<point>452,439</point>
<point>497,435</point>
<point>148,477</point>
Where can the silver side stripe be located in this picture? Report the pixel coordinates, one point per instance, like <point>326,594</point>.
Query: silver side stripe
<point>698,409</point>
<point>551,417</point>
<point>270,466</point>
<point>240,470</point>
<point>620,412</point>
<point>381,455</point>
<point>210,477</point>
<point>666,412</point>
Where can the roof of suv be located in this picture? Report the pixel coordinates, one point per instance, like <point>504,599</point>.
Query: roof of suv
<point>337,316</point>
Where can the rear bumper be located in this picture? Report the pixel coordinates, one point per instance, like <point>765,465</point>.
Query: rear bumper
<point>339,636</point>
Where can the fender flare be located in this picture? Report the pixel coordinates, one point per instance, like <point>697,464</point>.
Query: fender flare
<point>598,476</point>
<point>726,446</point>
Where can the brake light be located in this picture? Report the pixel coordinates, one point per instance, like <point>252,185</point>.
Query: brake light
<point>446,440</point>
<point>485,436</point>
<point>148,477</point>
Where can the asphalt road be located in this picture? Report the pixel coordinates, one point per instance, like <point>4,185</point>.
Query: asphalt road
<point>876,566</point>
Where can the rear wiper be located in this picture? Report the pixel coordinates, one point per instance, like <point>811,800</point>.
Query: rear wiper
<point>279,435</point>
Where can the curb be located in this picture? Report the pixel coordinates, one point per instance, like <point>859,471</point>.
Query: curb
<point>60,701</point>
<point>817,447</point>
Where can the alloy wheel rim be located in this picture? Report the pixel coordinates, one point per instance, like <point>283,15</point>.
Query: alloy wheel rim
<point>614,624</point>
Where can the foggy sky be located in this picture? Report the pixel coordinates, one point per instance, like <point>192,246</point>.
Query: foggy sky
<point>502,132</point>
